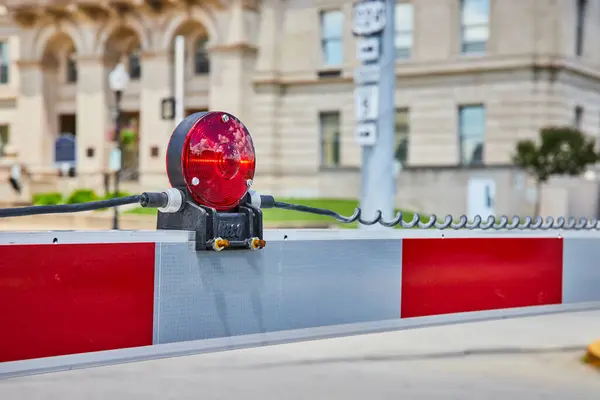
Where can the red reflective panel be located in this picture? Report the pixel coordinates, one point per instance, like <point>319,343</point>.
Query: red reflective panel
<point>455,275</point>
<point>59,299</point>
<point>218,161</point>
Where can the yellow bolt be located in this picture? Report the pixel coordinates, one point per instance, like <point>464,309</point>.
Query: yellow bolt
<point>257,243</point>
<point>220,244</point>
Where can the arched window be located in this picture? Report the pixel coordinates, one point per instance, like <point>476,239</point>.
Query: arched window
<point>71,66</point>
<point>201,59</point>
<point>135,67</point>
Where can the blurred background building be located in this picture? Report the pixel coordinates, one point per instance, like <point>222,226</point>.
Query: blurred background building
<point>474,76</point>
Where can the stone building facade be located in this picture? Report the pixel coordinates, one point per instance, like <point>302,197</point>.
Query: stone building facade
<point>473,77</point>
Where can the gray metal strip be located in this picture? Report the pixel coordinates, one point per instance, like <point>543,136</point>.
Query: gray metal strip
<point>77,237</point>
<point>360,234</point>
<point>277,235</point>
<point>87,360</point>
<point>157,274</point>
<point>288,285</point>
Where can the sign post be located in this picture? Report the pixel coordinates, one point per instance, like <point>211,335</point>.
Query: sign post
<point>374,102</point>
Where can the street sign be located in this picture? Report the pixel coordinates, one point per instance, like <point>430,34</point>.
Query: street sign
<point>367,74</point>
<point>65,149</point>
<point>369,17</point>
<point>367,49</point>
<point>366,103</point>
<point>366,134</point>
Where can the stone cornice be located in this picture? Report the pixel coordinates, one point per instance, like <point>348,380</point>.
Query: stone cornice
<point>233,47</point>
<point>28,63</point>
<point>147,55</point>
<point>444,68</point>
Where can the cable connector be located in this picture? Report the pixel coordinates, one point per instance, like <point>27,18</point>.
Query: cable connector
<point>169,201</point>
<point>260,200</point>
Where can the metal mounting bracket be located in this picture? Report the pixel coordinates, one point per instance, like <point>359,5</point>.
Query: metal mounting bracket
<point>240,228</point>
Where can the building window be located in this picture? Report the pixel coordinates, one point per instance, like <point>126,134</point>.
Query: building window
<point>329,123</point>
<point>402,135</point>
<point>474,16</point>
<point>471,131</point>
<point>404,30</point>
<point>580,34</point>
<point>578,117</point>
<point>135,66</point>
<point>4,63</point>
<point>71,67</point>
<point>3,138</point>
<point>201,59</point>
<point>331,38</point>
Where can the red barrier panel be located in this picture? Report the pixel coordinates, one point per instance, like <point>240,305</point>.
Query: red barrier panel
<point>59,299</point>
<point>442,276</point>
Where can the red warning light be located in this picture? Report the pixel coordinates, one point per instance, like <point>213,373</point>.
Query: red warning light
<point>212,155</point>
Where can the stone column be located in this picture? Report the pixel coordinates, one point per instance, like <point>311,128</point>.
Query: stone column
<point>33,133</point>
<point>93,122</point>
<point>232,65</point>
<point>154,131</point>
<point>267,93</point>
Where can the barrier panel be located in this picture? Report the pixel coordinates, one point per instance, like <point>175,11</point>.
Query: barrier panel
<point>73,292</point>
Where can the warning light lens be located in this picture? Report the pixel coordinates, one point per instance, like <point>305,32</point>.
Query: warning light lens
<point>218,161</point>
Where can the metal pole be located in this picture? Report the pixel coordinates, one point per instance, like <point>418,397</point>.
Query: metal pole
<point>179,78</point>
<point>118,96</point>
<point>378,181</point>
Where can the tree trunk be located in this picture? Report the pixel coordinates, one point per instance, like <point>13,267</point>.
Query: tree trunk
<point>538,199</point>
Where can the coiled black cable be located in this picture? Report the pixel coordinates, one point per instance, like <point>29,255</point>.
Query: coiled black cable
<point>68,208</point>
<point>161,199</point>
<point>431,221</point>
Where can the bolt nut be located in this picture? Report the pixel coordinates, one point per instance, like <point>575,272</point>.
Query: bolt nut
<point>195,181</point>
<point>249,182</point>
<point>225,118</point>
<point>220,244</point>
<point>256,243</point>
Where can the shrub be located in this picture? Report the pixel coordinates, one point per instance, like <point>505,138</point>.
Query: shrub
<point>120,194</point>
<point>82,196</point>
<point>47,199</point>
<point>559,151</point>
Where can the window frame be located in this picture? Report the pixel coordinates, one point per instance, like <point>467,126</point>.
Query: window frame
<point>71,70</point>
<point>336,140</point>
<point>204,53</point>
<point>581,10</point>
<point>4,62</point>
<point>134,68</point>
<point>465,27</point>
<point>404,53</point>
<point>339,39</point>
<point>399,135</point>
<point>466,136</point>
<point>578,113</point>
<point>4,131</point>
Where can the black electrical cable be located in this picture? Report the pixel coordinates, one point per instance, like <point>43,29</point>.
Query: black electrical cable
<point>431,221</point>
<point>150,199</point>
<point>317,211</point>
<point>68,208</point>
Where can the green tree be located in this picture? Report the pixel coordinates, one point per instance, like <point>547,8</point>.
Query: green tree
<point>560,151</point>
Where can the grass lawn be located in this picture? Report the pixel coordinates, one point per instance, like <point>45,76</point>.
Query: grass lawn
<point>273,216</point>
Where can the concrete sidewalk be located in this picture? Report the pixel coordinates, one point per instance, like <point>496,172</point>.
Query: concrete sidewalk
<point>520,358</point>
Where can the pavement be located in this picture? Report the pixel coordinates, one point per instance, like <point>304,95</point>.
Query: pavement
<point>521,358</point>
